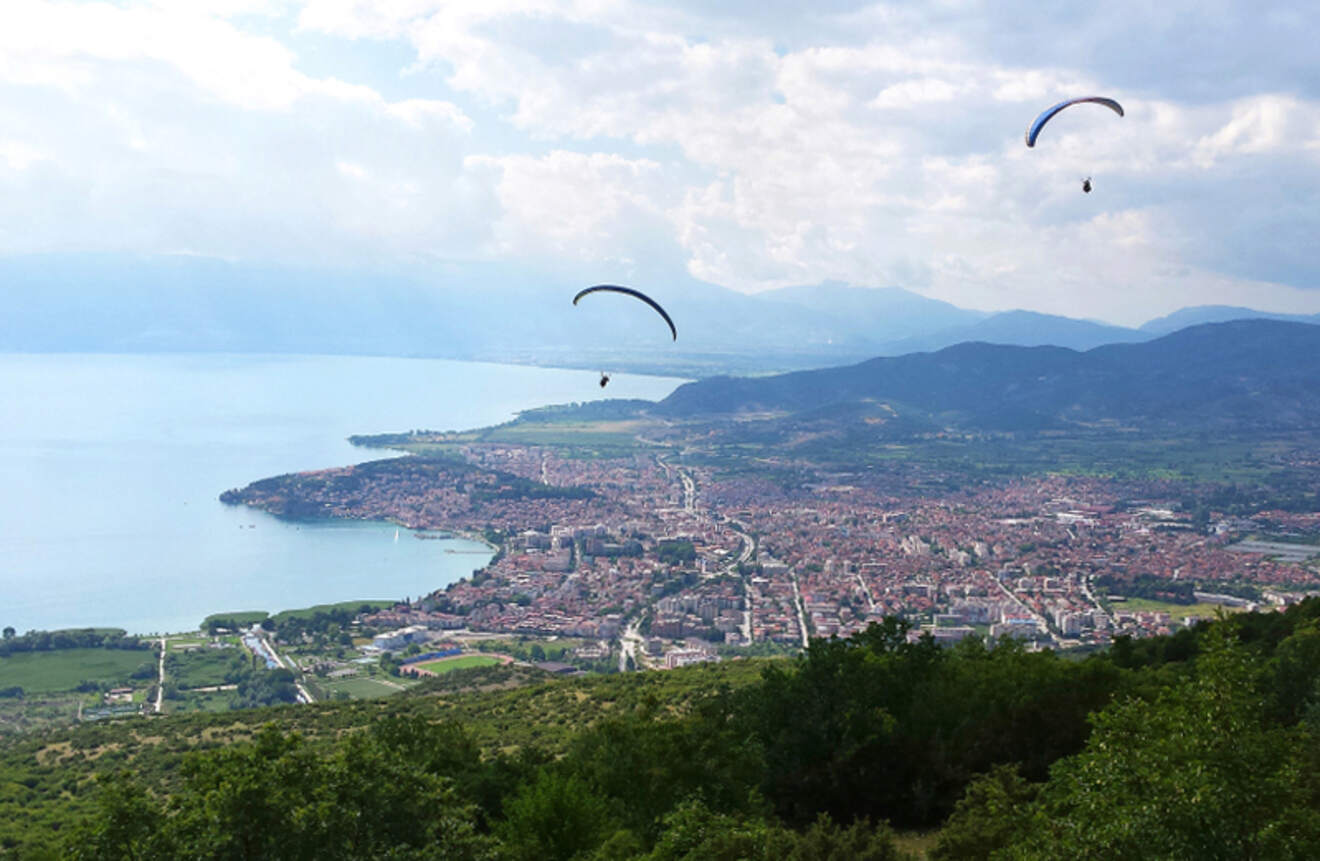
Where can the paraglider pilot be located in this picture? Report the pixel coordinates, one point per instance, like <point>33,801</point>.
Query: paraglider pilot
<point>1086,185</point>
<point>604,378</point>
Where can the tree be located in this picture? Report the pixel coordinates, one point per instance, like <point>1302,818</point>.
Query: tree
<point>1197,773</point>
<point>694,833</point>
<point>9,632</point>
<point>649,764</point>
<point>554,818</point>
<point>278,798</point>
<point>124,825</point>
<point>987,818</point>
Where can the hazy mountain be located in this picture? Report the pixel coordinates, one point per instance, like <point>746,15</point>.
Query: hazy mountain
<point>1245,373</point>
<point>1023,329</point>
<point>91,303</point>
<point>118,303</point>
<point>1185,317</point>
<point>878,315</point>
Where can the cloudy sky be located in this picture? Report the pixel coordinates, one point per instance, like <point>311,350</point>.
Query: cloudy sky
<point>761,145</point>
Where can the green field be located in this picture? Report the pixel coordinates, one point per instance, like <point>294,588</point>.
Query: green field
<point>64,670</point>
<point>1177,612</point>
<point>448,665</point>
<point>209,701</point>
<point>204,667</point>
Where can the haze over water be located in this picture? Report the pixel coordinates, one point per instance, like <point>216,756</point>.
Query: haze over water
<point>112,467</point>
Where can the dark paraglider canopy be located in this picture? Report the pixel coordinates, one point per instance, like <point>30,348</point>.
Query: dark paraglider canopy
<point>1034,131</point>
<point>613,288</point>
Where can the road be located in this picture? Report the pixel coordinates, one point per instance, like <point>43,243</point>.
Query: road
<point>748,550</point>
<point>1038,618</point>
<point>689,491</point>
<point>748,545</point>
<point>866,590</point>
<point>160,678</point>
<point>259,643</point>
<point>628,642</point>
<point>797,603</point>
<point>1090,596</point>
<point>304,695</point>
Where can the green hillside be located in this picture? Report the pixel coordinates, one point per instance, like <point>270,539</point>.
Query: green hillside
<point>1242,375</point>
<point>1200,744</point>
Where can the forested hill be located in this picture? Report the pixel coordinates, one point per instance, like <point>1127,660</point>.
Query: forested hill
<point>1246,373</point>
<point>1201,744</point>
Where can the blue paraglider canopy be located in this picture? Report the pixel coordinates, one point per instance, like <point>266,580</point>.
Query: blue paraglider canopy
<point>1034,131</point>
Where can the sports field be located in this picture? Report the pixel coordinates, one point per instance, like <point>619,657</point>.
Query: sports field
<point>460,662</point>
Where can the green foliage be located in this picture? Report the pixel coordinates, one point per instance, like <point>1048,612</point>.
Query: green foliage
<point>1198,773</point>
<point>676,552</point>
<point>265,687</point>
<point>233,621</point>
<point>196,668</point>
<point>71,638</point>
<point>879,726</point>
<point>555,817</point>
<point>989,816</point>
<point>648,764</point>
<point>1200,745</point>
<point>278,798</point>
<point>695,833</point>
<point>1149,586</point>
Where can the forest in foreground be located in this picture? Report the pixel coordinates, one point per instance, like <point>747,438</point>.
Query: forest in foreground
<point>1200,744</point>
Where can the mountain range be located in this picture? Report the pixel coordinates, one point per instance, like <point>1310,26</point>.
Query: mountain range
<point>1257,374</point>
<point>116,303</point>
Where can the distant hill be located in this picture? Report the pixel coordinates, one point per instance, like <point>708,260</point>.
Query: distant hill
<point>1023,329</point>
<point>1185,317</point>
<point>1251,373</point>
<point>120,303</point>
<point>877,315</point>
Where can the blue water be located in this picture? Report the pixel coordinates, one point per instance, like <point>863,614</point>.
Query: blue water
<point>110,469</point>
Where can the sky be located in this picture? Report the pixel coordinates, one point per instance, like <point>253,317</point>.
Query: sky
<point>750,145</point>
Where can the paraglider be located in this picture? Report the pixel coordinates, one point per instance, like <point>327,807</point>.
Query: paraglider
<point>628,291</point>
<point>636,294</point>
<point>1033,131</point>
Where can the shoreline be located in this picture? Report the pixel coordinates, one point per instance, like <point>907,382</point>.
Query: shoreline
<point>455,534</point>
<point>175,551</point>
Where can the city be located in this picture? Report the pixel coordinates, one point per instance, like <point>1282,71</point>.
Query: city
<point>666,564</point>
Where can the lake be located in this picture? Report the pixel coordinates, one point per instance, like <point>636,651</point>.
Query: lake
<point>112,464</point>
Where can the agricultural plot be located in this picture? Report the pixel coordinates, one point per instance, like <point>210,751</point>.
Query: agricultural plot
<point>66,669</point>
<point>362,688</point>
<point>205,667</point>
<point>206,701</point>
<point>39,712</point>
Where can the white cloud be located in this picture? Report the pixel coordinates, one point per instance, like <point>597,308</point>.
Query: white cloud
<point>755,145</point>
<point>18,155</point>
<point>595,207</point>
